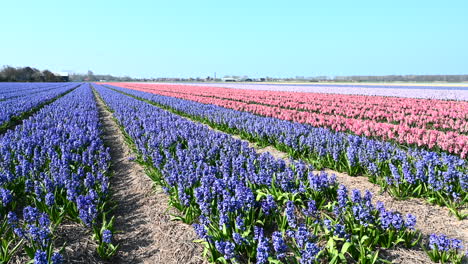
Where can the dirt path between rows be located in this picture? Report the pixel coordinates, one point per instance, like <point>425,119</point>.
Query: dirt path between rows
<point>147,233</point>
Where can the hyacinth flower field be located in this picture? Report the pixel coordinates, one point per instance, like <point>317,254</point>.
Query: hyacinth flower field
<point>186,173</point>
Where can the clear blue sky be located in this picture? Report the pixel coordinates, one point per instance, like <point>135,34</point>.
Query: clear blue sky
<point>255,38</point>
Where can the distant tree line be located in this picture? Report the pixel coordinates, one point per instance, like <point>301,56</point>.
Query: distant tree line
<point>27,74</point>
<point>91,77</point>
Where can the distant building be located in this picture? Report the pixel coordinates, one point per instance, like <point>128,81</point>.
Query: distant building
<point>229,80</point>
<point>64,76</point>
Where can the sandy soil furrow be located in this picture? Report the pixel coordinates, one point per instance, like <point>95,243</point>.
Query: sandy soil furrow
<point>147,233</point>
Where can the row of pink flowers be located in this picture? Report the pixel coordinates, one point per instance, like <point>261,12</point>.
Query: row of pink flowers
<point>450,141</point>
<point>422,113</point>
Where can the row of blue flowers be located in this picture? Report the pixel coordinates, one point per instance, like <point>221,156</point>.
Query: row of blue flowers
<point>10,91</point>
<point>15,107</point>
<point>439,177</point>
<point>248,207</point>
<point>13,90</point>
<point>53,168</point>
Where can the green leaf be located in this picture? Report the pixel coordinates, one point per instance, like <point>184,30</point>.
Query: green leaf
<point>345,247</point>
<point>376,255</point>
<point>221,260</point>
<point>274,261</point>
<point>29,251</point>
<point>334,259</point>
<point>364,239</point>
<point>260,222</point>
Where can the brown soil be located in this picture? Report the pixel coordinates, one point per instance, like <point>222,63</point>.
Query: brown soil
<point>147,233</point>
<point>80,248</point>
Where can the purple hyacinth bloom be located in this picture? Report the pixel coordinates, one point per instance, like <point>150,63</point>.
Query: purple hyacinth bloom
<point>200,230</point>
<point>410,221</point>
<point>204,220</point>
<point>258,233</point>
<point>363,214</point>
<point>44,220</point>
<point>311,210</point>
<point>87,209</point>
<point>340,231</point>
<point>225,248</point>
<point>28,186</point>
<point>289,212</point>
<point>40,257</point>
<point>263,251</point>
<point>240,223</point>
<point>12,219</point>
<point>444,243</point>
<point>105,185</point>
<point>373,169</point>
<point>279,244</point>
<point>89,180</point>
<point>238,239</point>
<point>49,199</point>
<point>38,190</point>
<point>229,250</point>
<point>395,174</point>
<point>439,242</point>
<point>302,235</point>
<point>39,234</point>
<point>380,206</point>
<point>351,155</point>
<point>107,236</point>
<point>223,219</point>
<point>30,214</point>
<point>389,219</point>
<point>268,204</point>
<point>327,223</point>
<point>368,198</point>
<point>290,233</point>
<point>456,244</point>
<point>57,258</point>
<point>342,195</point>
<point>308,255</point>
<point>407,174</point>
<point>321,181</point>
<point>34,233</point>
<point>398,221</point>
<point>355,196</point>
<point>19,232</point>
<point>342,200</point>
<point>5,196</point>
